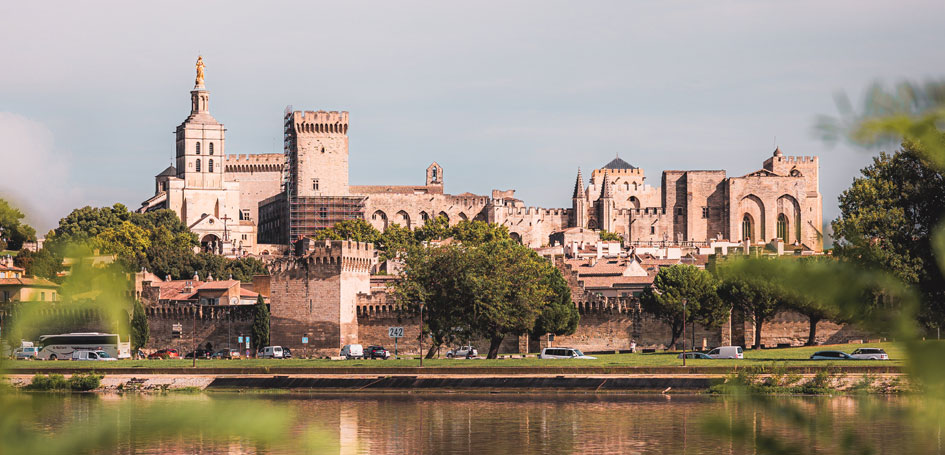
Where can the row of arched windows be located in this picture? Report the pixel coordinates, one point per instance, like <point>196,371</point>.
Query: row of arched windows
<point>209,165</point>
<point>211,148</point>
<point>748,228</point>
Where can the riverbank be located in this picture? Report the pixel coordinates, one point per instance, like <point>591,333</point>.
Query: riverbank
<point>453,381</point>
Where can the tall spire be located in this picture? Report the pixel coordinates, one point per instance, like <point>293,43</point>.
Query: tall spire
<point>199,96</point>
<point>607,190</point>
<point>579,186</point>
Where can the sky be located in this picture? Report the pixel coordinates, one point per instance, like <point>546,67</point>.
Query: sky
<point>503,95</point>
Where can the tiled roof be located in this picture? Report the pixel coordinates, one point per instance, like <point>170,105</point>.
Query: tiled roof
<point>36,282</point>
<point>618,163</point>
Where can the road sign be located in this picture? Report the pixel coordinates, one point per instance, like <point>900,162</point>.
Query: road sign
<point>395,332</point>
<point>247,342</point>
<point>304,340</point>
<point>239,340</point>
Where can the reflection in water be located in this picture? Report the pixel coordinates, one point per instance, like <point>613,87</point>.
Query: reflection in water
<point>527,423</point>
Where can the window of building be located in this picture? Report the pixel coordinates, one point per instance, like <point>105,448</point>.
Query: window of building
<point>705,212</point>
<point>42,296</point>
<point>198,148</point>
<point>747,227</point>
<point>315,184</point>
<point>434,174</point>
<point>244,236</point>
<point>323,212</point>
<point>211,148</point>
<point>210,165</point>
<point>652,230</point>
<point>679,210</point>
<point>198,165</point>
<point>782,228</point>
<point>244,214</point>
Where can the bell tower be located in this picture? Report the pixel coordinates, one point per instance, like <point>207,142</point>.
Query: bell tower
<point>200,141</point>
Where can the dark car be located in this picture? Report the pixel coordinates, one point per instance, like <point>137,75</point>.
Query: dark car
<point>377,352</point>
<point>286,353</point>
<point>227,354</point>
<point>831,355</point>
<point>695,355</point>
<point>164,354</point>
<point>201,354</point>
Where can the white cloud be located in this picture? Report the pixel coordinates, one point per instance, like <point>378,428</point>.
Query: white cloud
<point>35,174</point>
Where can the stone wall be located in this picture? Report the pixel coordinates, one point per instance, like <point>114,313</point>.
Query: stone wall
<point>220,325</point>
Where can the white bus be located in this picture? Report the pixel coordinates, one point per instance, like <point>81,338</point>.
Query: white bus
<point>55,347</point>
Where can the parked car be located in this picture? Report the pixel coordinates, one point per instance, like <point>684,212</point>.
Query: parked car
<point>91,355</point>
<point>727,352</point>
<point>25,353</point>
<point>164,354</point>
<point>377,352</point>
<point>226,354</point>
<point>870,354</point>
<point>695,355</point>
<point>462,351</point>
<point>270,352</point>
<point>352,351</point>
<point>286,353</point>
<point>831,355</point>
<point>201,354</point>
<point>563,353</point>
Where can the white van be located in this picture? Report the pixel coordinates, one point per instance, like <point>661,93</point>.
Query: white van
<point>727,352</point>
<point>270,352</point>
<point>91,355</point>
<point>563,353</point>
<point>352,351</point>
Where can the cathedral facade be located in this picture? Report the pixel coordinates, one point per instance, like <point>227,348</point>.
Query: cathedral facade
<point>240,204</point>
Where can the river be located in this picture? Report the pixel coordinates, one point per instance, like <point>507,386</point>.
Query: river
<point>440,423</point>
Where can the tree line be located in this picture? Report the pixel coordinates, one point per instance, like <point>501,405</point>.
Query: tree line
<point>470,280</point>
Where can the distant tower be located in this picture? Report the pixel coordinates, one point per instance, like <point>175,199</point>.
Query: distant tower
<point>606,204</point>
<point>200,142</point>
<point>317,149</point>
<point>435,175</point>
<point>579,203</point>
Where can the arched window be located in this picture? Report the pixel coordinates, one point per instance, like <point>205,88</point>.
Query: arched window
<point>434,174</point>
<point>198,148</point>
<point>747,227</point>
<point>210,163</point>
<point>782,228</point>
<point>198,165</point>
<point>211,150</point>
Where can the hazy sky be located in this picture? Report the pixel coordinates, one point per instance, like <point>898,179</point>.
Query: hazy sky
<point>503,95</point>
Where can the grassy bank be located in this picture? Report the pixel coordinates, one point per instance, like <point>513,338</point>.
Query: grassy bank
<point>763,358</point>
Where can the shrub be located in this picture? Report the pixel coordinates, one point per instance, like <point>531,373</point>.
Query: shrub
<point>48,382</point>
<point>83,382</point>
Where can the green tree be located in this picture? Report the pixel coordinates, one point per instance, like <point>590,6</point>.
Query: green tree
<point>13,232</point>
<point>433,229</point>
<point>887,218</point>
<point>260,332</point>
<point>476,232</point>
<point>356,230</point>
<point>560,316</point>
<point>395,241</point>
<point>607,236</point>
<point>43,263</point>
<point>759,300</point>
<point>140,331</point>
<point>672,285</point>
<point>128,242</point>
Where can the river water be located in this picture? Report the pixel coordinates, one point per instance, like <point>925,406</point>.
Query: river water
<point>438,423</point>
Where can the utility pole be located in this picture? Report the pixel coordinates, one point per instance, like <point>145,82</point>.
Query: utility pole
<point>684,332</point>
<point>421,335</point>
<point>193,340</point>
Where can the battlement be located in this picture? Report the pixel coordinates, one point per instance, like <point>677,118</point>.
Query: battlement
<point>341,255</point>
<point>533,211</point>
<point>320,122</point>
<point>637,172</point>
<point>266,162</point>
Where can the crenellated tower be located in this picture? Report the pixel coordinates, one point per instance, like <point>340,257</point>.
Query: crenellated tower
<point>317,153</point>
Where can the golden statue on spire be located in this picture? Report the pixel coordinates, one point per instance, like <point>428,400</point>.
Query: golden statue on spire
<point>200,66</point>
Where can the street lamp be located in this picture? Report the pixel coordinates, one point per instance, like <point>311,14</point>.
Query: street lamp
<point>684,302</point>
<point>421,335</point>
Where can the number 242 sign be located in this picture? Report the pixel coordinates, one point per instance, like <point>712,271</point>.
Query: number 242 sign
<point>395,332</point>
